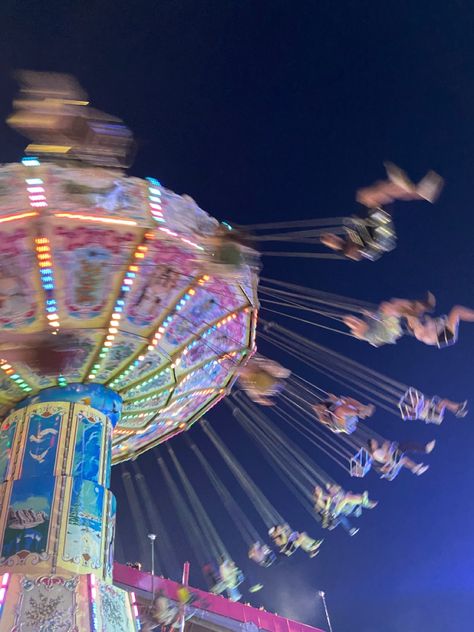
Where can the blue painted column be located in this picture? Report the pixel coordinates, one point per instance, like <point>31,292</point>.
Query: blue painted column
<point>57,514</point>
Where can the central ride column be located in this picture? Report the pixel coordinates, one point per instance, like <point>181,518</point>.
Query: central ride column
<point>57,515</point>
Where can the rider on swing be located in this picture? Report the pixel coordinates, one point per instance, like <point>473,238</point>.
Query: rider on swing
<point>371,236</point>
<point>341,413</point>
<point>390,455</point>
<point>262,378</point>
<point>334,505</point>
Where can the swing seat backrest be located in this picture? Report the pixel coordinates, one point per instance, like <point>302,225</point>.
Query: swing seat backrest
<point>347,425</point>
<point>431,414</point>
<point>396,466</point>
<point>375,235</point>
<point>411,404</point>
<point>358,234</point>
<point>360,464</point>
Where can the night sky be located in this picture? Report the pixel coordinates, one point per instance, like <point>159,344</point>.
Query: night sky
<point>274,109</point>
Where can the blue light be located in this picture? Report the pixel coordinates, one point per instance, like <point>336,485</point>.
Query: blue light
<point>51,301</point>
<point>154,181</point>
<point>30,161</point>
<point>46,271</point>
<point>120,302</point>
<point>48,286</point>
<point>51,309</point>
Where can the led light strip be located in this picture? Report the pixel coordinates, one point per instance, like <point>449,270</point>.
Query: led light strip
<point>15,377</point>
<point>43,254</point>
<point>156,210</point>
<point>3,589</point>
<point>92,598</point>
<point>11,218</point>
<point>114,323</point>
<point>30,161</point>
<point>183,239</point>
<point>178,307</point>
<point>133,601</point>
<point>161,330</point>
<point>97,218</point>
<point>35,186</point>
<point>154,200</point>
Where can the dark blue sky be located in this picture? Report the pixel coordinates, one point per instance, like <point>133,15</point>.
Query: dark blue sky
<point>273,109</point>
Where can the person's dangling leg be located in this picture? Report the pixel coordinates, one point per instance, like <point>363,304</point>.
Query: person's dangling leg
<point>407,307</point>
<point>415,468</point>
<point>457,314</point>
<point>334,242</point>
<point>346,525</point>
<point>360,410</point>
<point>357,326</point>
<point>458,409</point>
<point>416,448</point>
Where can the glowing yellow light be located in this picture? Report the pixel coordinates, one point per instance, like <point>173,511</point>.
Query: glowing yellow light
<point>46,149</point>
<point>139,255</point>
<point>72,102</point>
<point>114,323</point>
<point>107,344</point>
<point>11,218</point>
<point>95,218</point>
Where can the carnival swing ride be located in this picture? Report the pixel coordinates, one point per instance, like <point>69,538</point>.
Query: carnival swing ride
<point>127,312</point>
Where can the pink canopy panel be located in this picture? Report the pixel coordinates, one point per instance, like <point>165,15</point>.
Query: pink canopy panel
<point>116,267</point>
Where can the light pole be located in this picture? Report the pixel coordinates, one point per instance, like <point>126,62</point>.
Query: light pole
<point>152,538</point>
<point>322,594</point>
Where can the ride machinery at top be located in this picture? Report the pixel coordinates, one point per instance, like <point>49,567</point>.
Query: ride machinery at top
<point>117,331</point>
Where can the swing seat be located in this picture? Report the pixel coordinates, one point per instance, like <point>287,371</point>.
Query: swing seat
<point>431,414</point>
<point>411,404</point>
<point>395,467</point>
<point>360,464</point>
<point>383,230</point>
<point>348,425</point>
<point>374,235</point>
